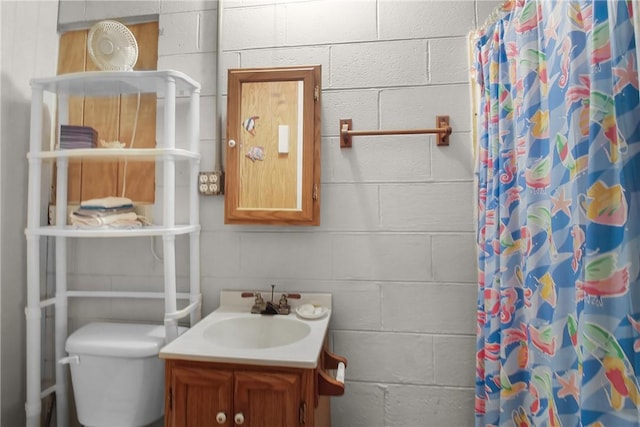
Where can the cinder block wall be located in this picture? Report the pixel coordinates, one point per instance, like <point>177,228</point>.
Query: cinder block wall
<point>396,242</point>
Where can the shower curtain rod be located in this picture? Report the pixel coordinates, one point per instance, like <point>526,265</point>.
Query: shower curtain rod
<point>442,129</point>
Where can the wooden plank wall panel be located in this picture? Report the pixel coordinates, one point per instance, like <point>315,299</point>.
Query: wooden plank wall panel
<point>72,61</point>
<point>147,37</point>
<point>139,183</point>
<point>113,117</point>
<point>100,179</point>
<point>140,176</point>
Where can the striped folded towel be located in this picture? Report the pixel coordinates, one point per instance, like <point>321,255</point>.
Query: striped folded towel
<point>107,202</point>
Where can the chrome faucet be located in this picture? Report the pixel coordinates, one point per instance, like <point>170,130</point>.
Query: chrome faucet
<point>260,306</point>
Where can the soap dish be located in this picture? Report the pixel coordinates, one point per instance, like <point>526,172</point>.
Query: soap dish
<point>309,311</point>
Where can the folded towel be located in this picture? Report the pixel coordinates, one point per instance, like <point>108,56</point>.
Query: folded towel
<point>96,212</point>
<point>106,202</point>
<point>116,226</point>
<point>128,218</point>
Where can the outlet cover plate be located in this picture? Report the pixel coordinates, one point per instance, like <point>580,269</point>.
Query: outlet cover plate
<point>211,183</point>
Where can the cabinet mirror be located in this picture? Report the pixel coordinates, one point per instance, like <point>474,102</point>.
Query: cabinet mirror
<point>273,146</point>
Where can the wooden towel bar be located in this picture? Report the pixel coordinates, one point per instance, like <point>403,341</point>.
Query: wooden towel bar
<point>442,129</point>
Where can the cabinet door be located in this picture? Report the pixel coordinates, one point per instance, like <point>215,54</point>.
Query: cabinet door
<point>268,400</point>
<point>273,153</point>
<point>199,395</point>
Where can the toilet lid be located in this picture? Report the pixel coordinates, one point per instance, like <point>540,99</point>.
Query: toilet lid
<point>117,339</point>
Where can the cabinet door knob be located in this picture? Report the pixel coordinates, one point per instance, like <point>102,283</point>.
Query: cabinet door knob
<point>221,417</point>
<point>232,143</point>
<point>239,418</point>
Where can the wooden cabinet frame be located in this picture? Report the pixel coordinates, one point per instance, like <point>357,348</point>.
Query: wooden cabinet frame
<point>273,146</point>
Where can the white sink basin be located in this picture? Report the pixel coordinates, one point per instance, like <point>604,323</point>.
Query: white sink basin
<point>231,334</point>
<point>256,332</point>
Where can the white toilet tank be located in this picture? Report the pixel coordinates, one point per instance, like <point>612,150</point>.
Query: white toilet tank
<point>119,379</point>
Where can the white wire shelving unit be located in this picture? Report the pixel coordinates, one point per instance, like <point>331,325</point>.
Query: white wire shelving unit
<point>167,85</point>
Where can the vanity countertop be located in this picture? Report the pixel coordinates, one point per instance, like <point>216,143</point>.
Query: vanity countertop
<point>197,343</point>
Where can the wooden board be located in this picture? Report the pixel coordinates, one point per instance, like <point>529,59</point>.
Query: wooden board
<point>270,183</point>
<point>72,61</point>
<point>138,178</point>
<point>100,179</point>
<point>114,119</point>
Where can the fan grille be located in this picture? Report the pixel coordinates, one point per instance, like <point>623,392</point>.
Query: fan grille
<point>112,47</point>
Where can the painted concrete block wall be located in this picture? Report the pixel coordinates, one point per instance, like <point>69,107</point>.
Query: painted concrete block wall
<point>396,243</point>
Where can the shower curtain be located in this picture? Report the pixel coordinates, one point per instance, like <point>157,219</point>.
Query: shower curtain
<point>558,172</point>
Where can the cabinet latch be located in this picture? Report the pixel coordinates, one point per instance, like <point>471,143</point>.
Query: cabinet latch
<point>170,399</point>
<point>316,93</point>
<point>302,414</point>
<point>315,192</point>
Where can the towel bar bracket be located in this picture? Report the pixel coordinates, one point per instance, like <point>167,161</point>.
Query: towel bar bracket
<point>345,136</point>
<point>442,129</point>
<point>442,122</point>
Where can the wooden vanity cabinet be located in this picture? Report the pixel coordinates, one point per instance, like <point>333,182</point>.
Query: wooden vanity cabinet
<point>199,394</point>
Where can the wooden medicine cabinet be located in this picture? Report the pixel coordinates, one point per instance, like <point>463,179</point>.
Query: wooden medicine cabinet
<point>273,146</point>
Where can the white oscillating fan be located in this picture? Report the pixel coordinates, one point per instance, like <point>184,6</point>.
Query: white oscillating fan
<point>112,47</point>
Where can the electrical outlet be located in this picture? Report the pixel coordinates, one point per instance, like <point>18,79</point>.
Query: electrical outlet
<point>210,183</point>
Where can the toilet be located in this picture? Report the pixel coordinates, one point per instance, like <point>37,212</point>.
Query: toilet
<point>117,377</point>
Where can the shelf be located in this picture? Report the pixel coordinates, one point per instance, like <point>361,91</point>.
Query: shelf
<point>167,84</point>
<point>110,154</point>
<point>107,83</point>
<point>153,230</point>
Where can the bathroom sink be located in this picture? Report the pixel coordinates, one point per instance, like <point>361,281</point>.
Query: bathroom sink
<point>232,334</point>
<point>256,332</point>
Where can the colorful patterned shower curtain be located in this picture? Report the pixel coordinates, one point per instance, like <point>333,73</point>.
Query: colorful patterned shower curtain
<point>558,216</point>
